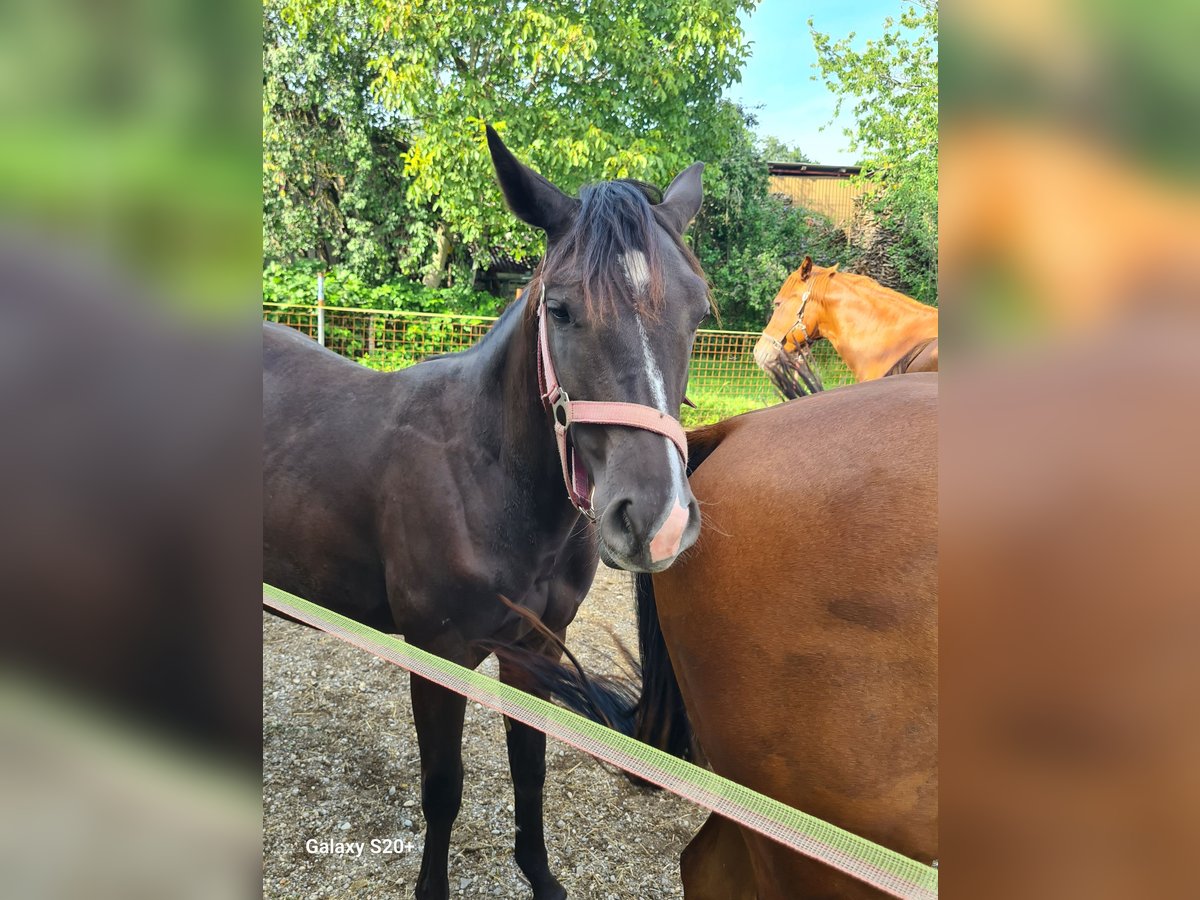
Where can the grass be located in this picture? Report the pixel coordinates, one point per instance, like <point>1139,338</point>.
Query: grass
<point>713,407</point>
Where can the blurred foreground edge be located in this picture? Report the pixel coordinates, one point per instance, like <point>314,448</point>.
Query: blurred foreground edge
<point>129,562</point>
<point>1069,519</point>
<point>1070,623</point>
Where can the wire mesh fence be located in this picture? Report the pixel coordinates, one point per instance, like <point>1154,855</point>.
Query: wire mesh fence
<point>723,378</point>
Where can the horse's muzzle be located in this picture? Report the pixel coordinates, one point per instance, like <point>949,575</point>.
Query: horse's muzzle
<point>790,372</point>
<point>766,352</point>
<point>640,540</point>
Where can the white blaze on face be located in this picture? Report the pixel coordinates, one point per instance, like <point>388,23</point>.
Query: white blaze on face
<point>638,272</point>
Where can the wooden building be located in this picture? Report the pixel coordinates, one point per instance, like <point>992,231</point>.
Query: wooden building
<point>824,189</point>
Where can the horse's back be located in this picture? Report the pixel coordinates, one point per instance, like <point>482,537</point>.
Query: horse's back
<point>290,356</point>
<point>829,432</point>
<point>806,620</point>
<point>322,445</point>
<point>313,404</point>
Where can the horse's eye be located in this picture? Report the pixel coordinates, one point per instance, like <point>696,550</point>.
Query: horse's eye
<point>560,313</point>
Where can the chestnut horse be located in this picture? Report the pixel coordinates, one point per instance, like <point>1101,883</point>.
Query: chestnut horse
<point>875,330</point>
<point>412,501</point>
<point>799,636</point>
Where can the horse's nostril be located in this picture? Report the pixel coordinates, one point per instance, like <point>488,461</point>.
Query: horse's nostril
<point>638,533</point>
<point>617,529</point>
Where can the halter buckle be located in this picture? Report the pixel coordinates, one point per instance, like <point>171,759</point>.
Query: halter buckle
<point>560,409</point>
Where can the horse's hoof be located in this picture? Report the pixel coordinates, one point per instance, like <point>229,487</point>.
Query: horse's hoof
<point>545,886</point>
<point>436,891</point>
<point>550,891</point>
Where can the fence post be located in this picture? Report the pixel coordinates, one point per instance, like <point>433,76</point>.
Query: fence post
<point>321,308</point>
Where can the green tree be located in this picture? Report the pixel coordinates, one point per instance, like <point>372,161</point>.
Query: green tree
<point>748,240</point>
<point>582,89</point>
<point>772,149</point>
<point>333,183</point>
<point>893,84</point>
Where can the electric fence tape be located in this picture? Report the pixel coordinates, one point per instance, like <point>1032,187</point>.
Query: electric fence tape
<point>878,866</point>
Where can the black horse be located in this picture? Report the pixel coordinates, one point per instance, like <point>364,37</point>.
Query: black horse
<point>414,501</point>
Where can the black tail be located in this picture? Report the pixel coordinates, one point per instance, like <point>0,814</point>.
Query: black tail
<point>660,719</point>
<point>655,714</point>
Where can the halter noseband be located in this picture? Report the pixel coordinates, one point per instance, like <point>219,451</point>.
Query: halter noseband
<point>566,412</point>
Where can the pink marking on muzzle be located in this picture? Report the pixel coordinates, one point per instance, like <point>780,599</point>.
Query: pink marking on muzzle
<point>665,544</point>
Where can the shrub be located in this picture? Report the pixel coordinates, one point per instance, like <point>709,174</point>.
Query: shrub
<point>296,284</point>
<point>749,241</point>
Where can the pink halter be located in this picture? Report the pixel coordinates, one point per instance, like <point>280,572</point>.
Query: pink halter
<point>566,412</point>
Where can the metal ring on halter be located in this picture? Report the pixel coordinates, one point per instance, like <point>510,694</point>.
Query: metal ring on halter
<point>805,348</point>
<point>560,408</point>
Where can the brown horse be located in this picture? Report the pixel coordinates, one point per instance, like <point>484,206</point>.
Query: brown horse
<point>412,501</point>
<point>876,330</point>
<point>799,635</point>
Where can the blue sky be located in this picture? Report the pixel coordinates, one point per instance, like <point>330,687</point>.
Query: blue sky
<point>777,77</point>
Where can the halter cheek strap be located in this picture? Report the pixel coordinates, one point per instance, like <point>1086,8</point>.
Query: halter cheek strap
<point>566,412</point>
<point>805,346</point>
<point>799,323</point>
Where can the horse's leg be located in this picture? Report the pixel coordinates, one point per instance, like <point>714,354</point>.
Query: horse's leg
<point>439,717</point>
<point>715,865</point>
<point>527,762</point>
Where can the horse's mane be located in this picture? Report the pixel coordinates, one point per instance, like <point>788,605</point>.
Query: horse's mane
<point>615,218</point>
<point>865,284</point>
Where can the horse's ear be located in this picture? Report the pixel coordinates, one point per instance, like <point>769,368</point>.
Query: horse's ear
<point>532,198</point>
<point>806,268</point>
<point>682,200</point>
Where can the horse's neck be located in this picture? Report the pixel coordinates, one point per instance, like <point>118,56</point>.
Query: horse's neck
<point>512,421</point>
<point>871,333</point>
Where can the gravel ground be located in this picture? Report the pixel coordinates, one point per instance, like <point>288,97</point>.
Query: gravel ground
<point>340,764</point>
